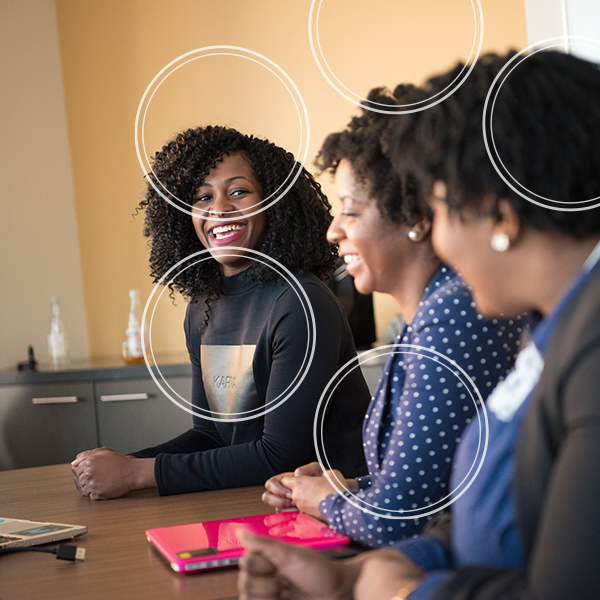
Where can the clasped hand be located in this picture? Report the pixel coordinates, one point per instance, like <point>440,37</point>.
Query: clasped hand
<point>271,570</point>
<point>103,473</point>
<point>304,489</point>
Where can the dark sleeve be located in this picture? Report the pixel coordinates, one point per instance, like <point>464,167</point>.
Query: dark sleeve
<point>286,441</point>
<point>566,555</point>
<point>204,435</point>
<point>189,441</point>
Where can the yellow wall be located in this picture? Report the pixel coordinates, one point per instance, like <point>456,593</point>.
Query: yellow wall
<point>112,49</point>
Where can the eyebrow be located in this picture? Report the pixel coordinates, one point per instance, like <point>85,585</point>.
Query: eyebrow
<point>351,198</point>
<point>226,181</point>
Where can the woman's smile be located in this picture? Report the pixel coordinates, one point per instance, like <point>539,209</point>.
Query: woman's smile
<point>225,233</point>
<point>352,263</point>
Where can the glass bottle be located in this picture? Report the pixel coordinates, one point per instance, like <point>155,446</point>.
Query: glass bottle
<point>58,344</point>
<point>133,353</point>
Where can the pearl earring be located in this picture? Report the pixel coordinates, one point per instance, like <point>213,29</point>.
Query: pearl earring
<point>413,235</point>
<point>500,242</point>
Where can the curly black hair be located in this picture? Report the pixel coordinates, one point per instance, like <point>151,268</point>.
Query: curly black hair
<point>546,130</point>
<point>297,223</point>
<point>361,144</point>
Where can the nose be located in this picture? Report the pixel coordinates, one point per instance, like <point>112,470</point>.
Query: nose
<point>335,232</point>
<point>221,205</point>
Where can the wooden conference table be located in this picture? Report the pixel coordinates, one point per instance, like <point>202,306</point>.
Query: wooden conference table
<point>119,563</point>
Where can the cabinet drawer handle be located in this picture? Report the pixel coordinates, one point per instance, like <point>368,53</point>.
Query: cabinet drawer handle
<point>123,397</point>
<point>55,400</point>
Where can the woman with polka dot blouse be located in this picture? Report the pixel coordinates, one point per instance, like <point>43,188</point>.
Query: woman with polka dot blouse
<point>418,413</point>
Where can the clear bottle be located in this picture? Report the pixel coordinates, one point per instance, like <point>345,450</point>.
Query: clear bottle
<point>133,353</point>
<point>58,343</point>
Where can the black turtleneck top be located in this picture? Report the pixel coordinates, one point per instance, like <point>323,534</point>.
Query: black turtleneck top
<point>246,358</point>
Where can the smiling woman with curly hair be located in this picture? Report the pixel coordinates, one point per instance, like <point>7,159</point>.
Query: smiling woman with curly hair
<point>298,223</point>
<point>246,329</point>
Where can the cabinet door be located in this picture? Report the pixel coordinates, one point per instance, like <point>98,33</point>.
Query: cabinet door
<point>45,424</point>
<point>134,414</point>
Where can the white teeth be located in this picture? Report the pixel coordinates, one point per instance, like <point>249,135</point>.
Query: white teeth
<point>350,258</point>
<point>225,230</point>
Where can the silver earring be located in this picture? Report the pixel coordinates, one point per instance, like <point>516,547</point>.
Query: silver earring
<point>500,242</point>
<point>413,235</point>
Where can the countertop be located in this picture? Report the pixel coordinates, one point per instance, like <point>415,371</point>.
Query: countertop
<point>103,368</point>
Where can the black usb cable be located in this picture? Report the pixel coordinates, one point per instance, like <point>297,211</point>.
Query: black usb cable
<point>62,552</point>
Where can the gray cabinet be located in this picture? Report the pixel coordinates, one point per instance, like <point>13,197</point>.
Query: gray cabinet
<point>48,417</point>
<point>45,424</point>
<point>134,414</point>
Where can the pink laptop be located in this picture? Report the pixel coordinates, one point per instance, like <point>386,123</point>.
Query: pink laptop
<point>214,544</point>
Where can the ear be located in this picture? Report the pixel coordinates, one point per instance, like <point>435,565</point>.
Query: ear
<point>420,231</point>
<point>508,222</point>
<point>439,190</point>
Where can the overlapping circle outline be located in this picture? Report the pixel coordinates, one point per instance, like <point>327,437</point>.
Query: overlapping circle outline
<point>288,277</point>
<point>246,54</point>
<point>487,122</point>
<point>340,88</point>
<point>457,371</point>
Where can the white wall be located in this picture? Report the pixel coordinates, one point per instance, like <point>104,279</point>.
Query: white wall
<point>39,249</point>
<point>553,18</point>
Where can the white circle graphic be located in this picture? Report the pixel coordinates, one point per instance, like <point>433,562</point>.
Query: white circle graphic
<point>358,100</point>
<point>236,51</point>
<point>287,276</point>
<point>467,383</point>
<point>488,129</point>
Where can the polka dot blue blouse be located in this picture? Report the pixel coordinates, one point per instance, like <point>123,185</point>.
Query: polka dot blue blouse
<point>418,413</point>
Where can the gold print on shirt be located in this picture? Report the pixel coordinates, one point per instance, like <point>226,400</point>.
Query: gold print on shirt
<point>228,379</point>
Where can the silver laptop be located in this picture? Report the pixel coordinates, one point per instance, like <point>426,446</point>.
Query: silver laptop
<point>17,533</point>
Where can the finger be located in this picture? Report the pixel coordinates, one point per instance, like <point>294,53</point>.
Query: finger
<point>84,486</point>
<point>275,486</point>
<point>263,588</point>
<point>79,468</point>
<point>274,551</point>
<point>78,484</point>
<point>290,482</point>
<point>281,529</point>
<point>81,456</point>
<point>276,518</point>
<point>335,478</point>
<point>312,469</point>
<point>276,501</point>
<point>83,490</point>
<point>257,564</point>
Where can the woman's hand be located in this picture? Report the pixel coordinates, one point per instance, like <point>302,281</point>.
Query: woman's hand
<point>102,473</point>
<point>384,573</point>
<point>308,492</point>
<point>271,570</point>
<point>280,496</point>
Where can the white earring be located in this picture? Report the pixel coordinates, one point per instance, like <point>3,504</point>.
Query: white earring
<point>500,242</point>
<point>413,235</point>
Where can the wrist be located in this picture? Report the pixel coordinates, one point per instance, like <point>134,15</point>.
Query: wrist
<point>352,484</point>
<point>143,473</point>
